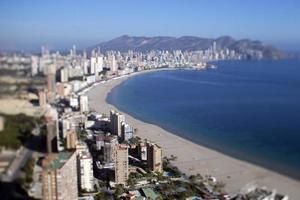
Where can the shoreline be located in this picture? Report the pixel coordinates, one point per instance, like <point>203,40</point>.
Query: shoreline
<point>196,159</point>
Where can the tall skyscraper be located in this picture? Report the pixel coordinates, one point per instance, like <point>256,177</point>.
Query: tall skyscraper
<point>112,63</point>
<point>99,64</point>
<point>121,165</point>
<point>34,65</point>
<point>85,67</point>
<point>59,177</point>
<point>51,79</point>
<point>71,139</point>
<point>74,50</point>
<point>109,149</point>
<point>126,131</point>
<point>154,157</point>
<point>116,120</point>
<point>93,65</point>
<point>51,117</point>
<point>85,171</point>
<point>142,151</point>
<point>42,98</point>
<point>51,136</point>
<point>214,47</point>
<point>100,142</point>
<point>83,103</point>
<point>64,75</point>
<point>51,83</point>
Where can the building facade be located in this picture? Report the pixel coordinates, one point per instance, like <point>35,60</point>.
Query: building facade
<point>154,157</point>
<point>59,177</point>
<point>116,120</point>
<point>83,103</point>
<point>121,165</point>
<point>126,131</point>
<point>109,149</point>
<point>71,139</point>
<point>85,172</point>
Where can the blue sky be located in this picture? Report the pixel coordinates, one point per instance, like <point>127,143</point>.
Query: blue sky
<point>25,25</point>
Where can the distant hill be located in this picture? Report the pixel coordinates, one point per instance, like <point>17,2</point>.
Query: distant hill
<point>188,43</point>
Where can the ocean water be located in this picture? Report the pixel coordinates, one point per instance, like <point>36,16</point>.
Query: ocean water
<point>246,109</point>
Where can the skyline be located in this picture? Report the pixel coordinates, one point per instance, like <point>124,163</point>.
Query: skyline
<point>87,24</point>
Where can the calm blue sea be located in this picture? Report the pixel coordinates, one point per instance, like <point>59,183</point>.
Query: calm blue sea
<point>247,109</point>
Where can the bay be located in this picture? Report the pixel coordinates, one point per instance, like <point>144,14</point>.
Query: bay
<point>246,109</point>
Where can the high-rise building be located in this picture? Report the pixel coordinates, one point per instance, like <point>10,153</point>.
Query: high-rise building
<point>71,139</point>
<point>34,65</point>
<point>116,120</point>
<point>81,148</point>
<point>59,177</point>
<point>93,65</point>
<point>65,126</point>
<point>85,172</point>
<point>51,79</point>
<point>51,83</point>
<point>51,136</point>
<point>154,157</point>
<point>214,47</point>
<point>60,89</point>
<point>142,151</point>
<point>112,63</point>
<point>64,75</point>
<point>74,50</point>
<point>100,142</point>
<point>99,64</point>
<point>85,66</point>
<point>42,98</point>
<point>121,165</point>
<point>83,103</point>
<point>109,149</point>
<point>126,131</point>
<point>53,143</point>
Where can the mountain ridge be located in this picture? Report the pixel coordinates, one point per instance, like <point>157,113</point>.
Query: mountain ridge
<point>189,43</point>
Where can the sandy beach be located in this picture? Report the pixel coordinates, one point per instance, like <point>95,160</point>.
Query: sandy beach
<point>193,158</point>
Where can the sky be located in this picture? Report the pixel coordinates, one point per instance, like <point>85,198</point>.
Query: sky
<point>26,25</point>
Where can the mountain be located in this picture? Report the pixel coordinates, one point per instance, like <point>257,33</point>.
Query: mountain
<point>189,43</point>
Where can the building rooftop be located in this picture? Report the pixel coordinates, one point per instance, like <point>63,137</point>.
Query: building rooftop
<point>149,193</point>
<point>56,161</point>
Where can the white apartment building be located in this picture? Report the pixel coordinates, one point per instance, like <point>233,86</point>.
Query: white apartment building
<point>85,174</point>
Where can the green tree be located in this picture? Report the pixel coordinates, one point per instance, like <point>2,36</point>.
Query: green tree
<point>131,181</point>
<point>119,190</point>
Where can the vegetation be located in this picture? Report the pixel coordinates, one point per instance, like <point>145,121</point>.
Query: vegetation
<point>167,166</point>
<point>135,140</point>
<point>81,134</point>
<point>17,130</point>
<point>119,190</point>
<point>102,195</point>
<point>133,178</point>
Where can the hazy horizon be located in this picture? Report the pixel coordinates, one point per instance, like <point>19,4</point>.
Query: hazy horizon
<point>26,25</point>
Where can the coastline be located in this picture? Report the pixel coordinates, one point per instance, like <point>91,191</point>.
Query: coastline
<point>193,158</point>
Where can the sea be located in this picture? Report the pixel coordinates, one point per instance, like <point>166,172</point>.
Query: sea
<point>249,110</point>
